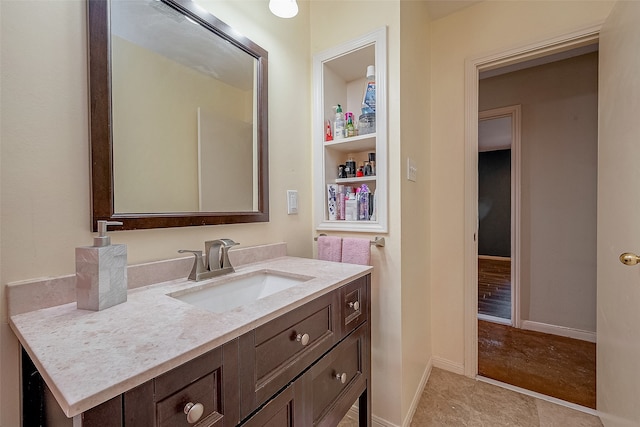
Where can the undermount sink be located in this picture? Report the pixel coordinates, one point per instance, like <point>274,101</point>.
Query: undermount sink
<point>224,295</point>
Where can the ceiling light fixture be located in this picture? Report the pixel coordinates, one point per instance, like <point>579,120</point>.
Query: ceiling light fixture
<point>283,8</point>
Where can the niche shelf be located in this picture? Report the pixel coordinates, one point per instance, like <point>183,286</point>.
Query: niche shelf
<point>339,77</point>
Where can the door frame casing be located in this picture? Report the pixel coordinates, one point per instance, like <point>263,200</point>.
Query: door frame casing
<point>513,111</point>
<point>473,67</point>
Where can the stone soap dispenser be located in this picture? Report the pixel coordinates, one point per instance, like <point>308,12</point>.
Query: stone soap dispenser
<point>101,272</point>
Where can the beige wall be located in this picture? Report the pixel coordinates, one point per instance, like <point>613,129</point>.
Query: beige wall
<point>400,317</point>
<point>336,22</point>
<point>559,159</point>
<point>477,31</point>
<point>44,150</point>
<point>414,133</point>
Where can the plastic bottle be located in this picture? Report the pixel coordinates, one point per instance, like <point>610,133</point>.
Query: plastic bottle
<point>338,124</point>
<point>369,96</point>
<point>328,136</point>
<point>363,203</point>
<point>351,208</point>
<point>350,129</point>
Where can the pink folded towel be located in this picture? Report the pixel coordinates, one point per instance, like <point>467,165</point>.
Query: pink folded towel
<point>330,248</point>
<point>356,251</point>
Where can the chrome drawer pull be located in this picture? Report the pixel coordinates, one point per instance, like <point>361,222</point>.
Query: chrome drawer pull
<point>193,412</point>
<point>342,377</point>
<point>303,339</point>
<point>355,305</point>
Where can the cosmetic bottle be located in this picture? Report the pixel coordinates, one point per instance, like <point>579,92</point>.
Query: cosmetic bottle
<point>338,124</point>
<point>350,129</point>
<point>363,203</point>
<point>351,208</point>
<point>332,204</point>
<point>350,167</point>
<point>372,163</point>
<point>328,136</point>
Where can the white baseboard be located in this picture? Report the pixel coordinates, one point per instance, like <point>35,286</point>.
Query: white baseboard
<point>494,319</point>
<point>562,331</point>
<point>418,395</point>
<point>447,365</point>
<point>381,422</point>
<point>496,258</point>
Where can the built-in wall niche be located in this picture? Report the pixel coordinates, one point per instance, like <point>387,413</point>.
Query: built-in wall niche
<point>340,77</point>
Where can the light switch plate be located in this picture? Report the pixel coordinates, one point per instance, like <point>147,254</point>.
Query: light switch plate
<point>412,170</point>
<point>292,202</point>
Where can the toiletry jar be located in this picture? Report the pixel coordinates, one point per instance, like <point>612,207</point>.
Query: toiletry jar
<point>367,123</point>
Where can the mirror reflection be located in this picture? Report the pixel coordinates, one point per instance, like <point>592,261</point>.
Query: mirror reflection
<point>184,114</point>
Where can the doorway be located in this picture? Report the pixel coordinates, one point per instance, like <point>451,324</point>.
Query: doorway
<point>498,210</point>
<point>474,69</point>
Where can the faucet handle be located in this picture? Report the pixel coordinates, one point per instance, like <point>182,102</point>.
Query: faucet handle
<point>228,243</point>
<point>198,267</point>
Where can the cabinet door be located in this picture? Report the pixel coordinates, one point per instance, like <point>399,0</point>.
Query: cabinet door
<point>272,355</point>
<point>285,410</point>
<point>337,380</point>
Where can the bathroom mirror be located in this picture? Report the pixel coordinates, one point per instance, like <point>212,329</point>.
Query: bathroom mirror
<point>178,117</point>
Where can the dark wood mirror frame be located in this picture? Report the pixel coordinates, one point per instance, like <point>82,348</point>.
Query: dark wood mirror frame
<point>99,43</point>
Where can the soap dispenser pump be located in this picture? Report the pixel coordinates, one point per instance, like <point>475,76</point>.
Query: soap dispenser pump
<point>101,272</point>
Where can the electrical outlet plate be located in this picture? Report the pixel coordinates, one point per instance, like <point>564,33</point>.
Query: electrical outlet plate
<point>412,170</point>
<point>292,202</point>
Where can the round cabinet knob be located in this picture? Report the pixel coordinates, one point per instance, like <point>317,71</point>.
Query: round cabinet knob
<point>342,377</point>
<point>355,305</point>
<point>193,412</point>
<point>303,339</point>
<point>628,258</point>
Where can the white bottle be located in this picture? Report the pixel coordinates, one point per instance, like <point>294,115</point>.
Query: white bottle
<point>351,208</point>
<point>338,124</point>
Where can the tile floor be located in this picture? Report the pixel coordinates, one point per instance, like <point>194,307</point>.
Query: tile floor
<point>454,400</point>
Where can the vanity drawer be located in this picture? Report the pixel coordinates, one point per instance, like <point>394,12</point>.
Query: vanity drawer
<point>354,304</point>
<point>210,380</point>
<point>283,348</point>
<point>170,412</point>
<point>337,375</point>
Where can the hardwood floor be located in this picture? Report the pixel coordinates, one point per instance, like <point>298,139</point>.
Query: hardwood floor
<point>494,287</point>
<point>556,366</point>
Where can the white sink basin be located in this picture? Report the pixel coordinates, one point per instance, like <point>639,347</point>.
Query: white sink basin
<point>225,295</point>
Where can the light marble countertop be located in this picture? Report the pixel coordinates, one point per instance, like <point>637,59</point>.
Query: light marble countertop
<point>89,357</point>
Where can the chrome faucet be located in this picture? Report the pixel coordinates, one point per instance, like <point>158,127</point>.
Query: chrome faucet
<point>216,257</point>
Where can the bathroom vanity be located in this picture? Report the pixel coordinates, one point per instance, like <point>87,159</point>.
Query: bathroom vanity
<point>300,356</point>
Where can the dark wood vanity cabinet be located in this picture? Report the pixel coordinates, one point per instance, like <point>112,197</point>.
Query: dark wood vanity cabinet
<point>319,393</point>
<point>304,368</point>
<point>275,353</point>
<point>210,380</point>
